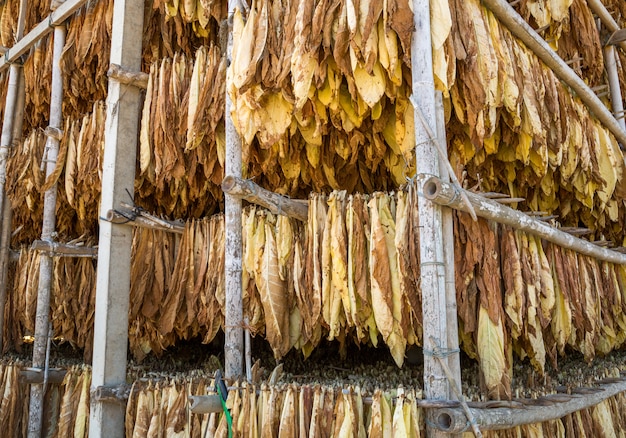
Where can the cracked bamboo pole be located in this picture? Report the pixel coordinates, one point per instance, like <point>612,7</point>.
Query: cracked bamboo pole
<point>617,102</point>
<point>443,193</point>
<point>42,318</point>
<point>432,262</point>
<point>451,420</point>
<point>454,360</point>
<point>233,324</point>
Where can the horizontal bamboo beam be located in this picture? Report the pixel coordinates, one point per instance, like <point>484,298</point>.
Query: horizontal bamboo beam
<point>522,30</point>
<point>447,195</point>
<point>62,13</point>
<point>204,404</point>
<point>134,216</point>
<point>64,249</point>
<point>277,204</point>
<point>454,420</point>
<point>34,375</point>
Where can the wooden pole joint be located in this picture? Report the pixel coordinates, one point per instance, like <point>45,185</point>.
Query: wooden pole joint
<point>112,394</point>
<point>55,133</point>
<point>36,375</point>
<point>205,404</point>
<point>137,216</point>
<point>126,77</point>
<point>274,202</point>
<point>56,249</point>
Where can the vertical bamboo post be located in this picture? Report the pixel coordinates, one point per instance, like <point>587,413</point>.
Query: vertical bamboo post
<point>7,211</point>
<point>432,268</point>
<point>233,344</point>
<point>42,318</point>
<point>15,71</point>
<point>123,110</point>
<point>617,102</point>
<point>11,128</point>
<point>454,362</point>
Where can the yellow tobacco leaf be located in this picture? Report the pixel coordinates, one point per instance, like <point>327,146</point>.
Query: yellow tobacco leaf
<point>547,295</point>
<point>610,162</point>
<point>273,117</point>
<point>490,345</point>
<point>398,426</point>
<point>288,415</point>
<point>603,420</point>
<point>195,87</point>
<point>347,425</point>
<point>188,10</point>
<point>372,86</point>
<point>562,317</point>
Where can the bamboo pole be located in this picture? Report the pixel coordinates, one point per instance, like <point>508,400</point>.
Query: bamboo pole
<point>277,204</point>
<point>522,30</point>
<point>5,244</point>
<point>7,212</point>
<point>42,318</point>
<point>607,20</point>
<point>233,327</point>
<point>123,112</point>
<point>56,18</point>
<point>454,360</point>
<point>7,125</point>
<point>617,102</point>
<point>432,265</point>
<point>453,420</point>
<point>445,194</point>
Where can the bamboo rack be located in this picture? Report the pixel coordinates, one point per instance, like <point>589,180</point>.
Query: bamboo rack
<point>453,420</point>
<point>505,13</point>
<point>445,194</point>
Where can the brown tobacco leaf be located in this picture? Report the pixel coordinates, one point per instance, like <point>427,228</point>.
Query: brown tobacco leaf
<point>380,274</point>
<point>273,296</point>
<point>175,297</point>
<point>357,223</point>
<point>514,296</point>
<point>313,269</point>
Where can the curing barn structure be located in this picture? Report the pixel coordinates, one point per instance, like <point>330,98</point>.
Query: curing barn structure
<point>373,218</point>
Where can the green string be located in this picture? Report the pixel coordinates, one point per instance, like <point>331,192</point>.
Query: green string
<point>229,419</point>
